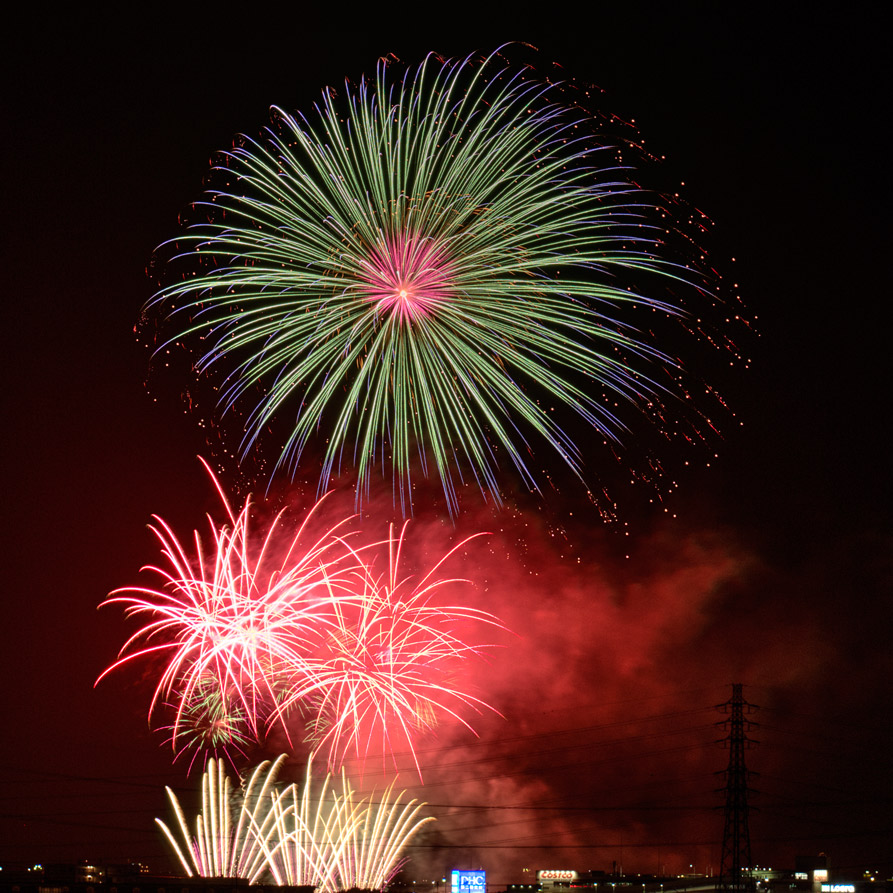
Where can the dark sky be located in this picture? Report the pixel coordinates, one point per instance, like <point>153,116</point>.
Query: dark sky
<point>775,571</point>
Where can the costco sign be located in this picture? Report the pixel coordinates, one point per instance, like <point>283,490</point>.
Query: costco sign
<point>556,875</point>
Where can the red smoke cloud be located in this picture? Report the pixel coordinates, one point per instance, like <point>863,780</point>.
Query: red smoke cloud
<point>603,753</point>
<point>606,752</point>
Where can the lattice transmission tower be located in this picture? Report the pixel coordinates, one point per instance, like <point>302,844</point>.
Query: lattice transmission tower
<point>736,855</point>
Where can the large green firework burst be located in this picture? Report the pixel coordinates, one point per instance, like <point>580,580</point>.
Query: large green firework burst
<point>433,273</point>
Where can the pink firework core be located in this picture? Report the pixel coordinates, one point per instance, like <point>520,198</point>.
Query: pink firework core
<point>407,276</point>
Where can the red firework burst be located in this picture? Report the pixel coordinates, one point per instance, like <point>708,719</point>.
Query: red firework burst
<point>253,632</point>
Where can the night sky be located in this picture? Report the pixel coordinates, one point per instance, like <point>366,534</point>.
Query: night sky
<point>770,567</point>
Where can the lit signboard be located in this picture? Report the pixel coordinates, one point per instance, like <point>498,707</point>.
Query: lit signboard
<point>801,875</point>
<point>468,881</point>
<point>838,888</point>
<point>556,875</point>
<point>820,874</point>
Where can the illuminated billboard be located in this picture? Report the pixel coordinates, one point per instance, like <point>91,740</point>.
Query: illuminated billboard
<point>468,881</point>
<point>555,875</point>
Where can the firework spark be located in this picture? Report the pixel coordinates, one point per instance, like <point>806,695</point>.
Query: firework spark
<point>385,672</point>
<point>425,270</point>
<point>313,637</point>
<point>234,623</point>
<point>294,835</point>
<point>220,847</point>
<point>338,842</point>
<point>209,725</point>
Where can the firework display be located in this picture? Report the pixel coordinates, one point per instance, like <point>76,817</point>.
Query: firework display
<point>442,274</point>
<point>233,622</point>
<point>209,724</point>
<point>220,846</point>
<point>419,274</point>
<point>267,832</point>
<point>335,841</point>
<point>315,636</point>
<point>385,669</point>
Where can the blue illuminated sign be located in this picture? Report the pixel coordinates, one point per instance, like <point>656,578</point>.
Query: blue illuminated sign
<point>468,881</point>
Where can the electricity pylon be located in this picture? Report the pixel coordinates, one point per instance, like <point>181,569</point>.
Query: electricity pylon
<point>736,834</point>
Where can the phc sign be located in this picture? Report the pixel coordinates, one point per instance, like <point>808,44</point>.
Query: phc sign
<point>556,875</point>
<point>468,881</point>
